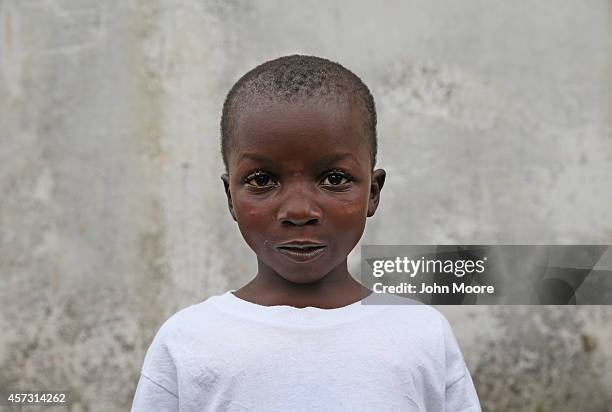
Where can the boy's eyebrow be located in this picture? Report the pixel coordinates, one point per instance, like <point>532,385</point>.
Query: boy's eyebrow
<point>254,156</point>
<point>334,158</point>
<point>323,160</point>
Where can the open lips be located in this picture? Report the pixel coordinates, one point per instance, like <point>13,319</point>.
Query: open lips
<point>301,250</point>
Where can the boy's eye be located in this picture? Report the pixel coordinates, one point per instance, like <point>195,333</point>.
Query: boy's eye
<point>259,179</point>
<point>335,179</point>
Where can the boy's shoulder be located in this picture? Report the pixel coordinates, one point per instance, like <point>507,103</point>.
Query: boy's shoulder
<point>190,318</point>
<point>414,317</point>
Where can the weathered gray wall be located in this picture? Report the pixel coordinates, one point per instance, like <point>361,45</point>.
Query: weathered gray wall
<point>495,127</point>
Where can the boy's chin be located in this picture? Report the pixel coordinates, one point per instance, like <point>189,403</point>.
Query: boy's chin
<point>301,278</point>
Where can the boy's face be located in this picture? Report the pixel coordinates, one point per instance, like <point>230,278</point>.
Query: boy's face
<point>301,172</point>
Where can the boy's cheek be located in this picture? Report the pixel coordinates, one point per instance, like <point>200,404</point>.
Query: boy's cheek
<point>252,219</point>
<point>350,213</point>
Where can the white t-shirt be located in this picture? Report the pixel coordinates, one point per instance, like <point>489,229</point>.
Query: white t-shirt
<point>228,354</point>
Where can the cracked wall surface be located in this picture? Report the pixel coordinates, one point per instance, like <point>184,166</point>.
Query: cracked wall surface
<point>494,127</point>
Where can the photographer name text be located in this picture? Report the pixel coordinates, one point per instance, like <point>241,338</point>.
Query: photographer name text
<point>409,288</point>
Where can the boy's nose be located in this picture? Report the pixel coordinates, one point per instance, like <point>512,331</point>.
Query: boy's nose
<point>299,210</point>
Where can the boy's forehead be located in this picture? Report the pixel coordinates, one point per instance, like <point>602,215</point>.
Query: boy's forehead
<point>282,123</point>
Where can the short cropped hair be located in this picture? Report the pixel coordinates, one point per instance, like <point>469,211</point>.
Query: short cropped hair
<point>296,78</point>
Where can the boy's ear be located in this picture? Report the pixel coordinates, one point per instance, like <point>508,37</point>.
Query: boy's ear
<point>378,181</point>
<point>226,184</point>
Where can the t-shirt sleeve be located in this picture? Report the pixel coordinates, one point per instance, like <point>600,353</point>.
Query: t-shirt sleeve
<point>157,388</point>
<point>460,394</point>
<point>151,396</point>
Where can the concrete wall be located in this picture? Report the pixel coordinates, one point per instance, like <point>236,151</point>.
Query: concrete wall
<point>495,127</point>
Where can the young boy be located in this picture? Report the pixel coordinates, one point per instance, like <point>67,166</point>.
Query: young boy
<point>298,139</point>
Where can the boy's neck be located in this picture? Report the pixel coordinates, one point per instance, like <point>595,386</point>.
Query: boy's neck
<point>335,290</point>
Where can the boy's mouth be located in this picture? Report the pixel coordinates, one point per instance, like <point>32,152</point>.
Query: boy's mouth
<point>301,251</point>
